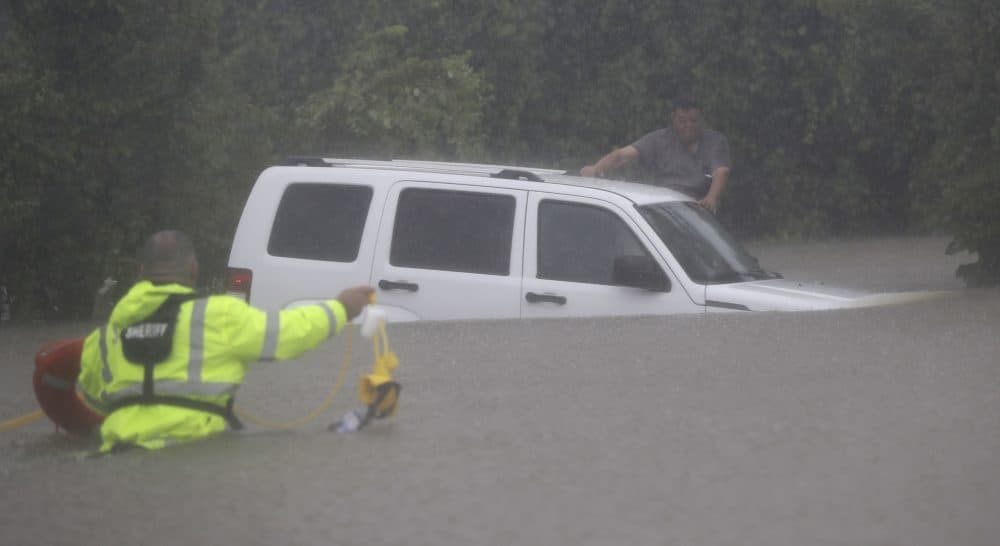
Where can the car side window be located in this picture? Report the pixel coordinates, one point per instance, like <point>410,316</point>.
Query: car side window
<point>579,243</point>
<point>453,231</point>
<point>320,222</point>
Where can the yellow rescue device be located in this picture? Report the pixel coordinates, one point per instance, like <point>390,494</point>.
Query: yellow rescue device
<point>377,390</point>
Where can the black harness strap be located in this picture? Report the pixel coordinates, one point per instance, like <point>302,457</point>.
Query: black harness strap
<point>181,402</point>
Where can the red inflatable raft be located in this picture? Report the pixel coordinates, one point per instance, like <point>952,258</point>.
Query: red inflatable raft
<point>56,370</point>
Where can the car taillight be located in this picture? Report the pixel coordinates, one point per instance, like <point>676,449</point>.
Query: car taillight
<point>239,283</point>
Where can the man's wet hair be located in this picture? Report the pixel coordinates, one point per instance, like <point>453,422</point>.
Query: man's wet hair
<point>167,254</point>
<point>686,102</point>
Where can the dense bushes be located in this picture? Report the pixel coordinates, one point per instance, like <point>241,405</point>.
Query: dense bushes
<point>121,117</point>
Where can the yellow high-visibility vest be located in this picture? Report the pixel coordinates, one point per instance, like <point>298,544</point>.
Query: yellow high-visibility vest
<point>214,339</point>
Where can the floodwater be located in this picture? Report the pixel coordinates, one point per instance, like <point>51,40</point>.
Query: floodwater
<point>876,426</point>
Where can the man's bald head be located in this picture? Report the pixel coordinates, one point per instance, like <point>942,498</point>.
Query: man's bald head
<point>168,256</point>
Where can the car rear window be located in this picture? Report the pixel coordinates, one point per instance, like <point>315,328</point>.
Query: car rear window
<point>320,222</point>
<point>453,231</point>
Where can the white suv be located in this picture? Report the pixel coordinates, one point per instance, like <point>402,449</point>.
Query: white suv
<point>444,241</point>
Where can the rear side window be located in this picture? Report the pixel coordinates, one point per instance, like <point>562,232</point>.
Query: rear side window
<point>453,231</point>
<point>320,222</point>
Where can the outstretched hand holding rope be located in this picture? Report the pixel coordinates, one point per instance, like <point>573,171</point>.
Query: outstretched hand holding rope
<point>377,389</point>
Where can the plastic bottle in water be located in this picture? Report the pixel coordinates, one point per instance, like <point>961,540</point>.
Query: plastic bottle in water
<point>350,422</point>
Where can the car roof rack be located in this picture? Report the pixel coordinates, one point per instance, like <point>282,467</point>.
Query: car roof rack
<point>303,161</point>
<point>494,171</point>
<point>517,174</point>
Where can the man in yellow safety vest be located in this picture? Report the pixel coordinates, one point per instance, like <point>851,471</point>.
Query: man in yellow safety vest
<point>166,366</point>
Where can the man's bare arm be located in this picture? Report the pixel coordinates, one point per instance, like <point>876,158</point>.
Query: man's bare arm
<point>615,160</point>
<point>711,200</point>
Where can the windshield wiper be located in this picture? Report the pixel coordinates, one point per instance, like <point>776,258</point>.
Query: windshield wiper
<point>761,273</point>
<point>740,276</point>
<point>730,276</point>
<point>758,270</point>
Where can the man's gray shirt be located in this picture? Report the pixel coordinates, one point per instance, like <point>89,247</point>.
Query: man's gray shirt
<point>665,161</point>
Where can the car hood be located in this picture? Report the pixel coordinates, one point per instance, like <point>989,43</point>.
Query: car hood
<point>789,295</point>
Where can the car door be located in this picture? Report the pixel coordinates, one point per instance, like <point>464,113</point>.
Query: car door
<point>571,245</point>
<point>450,251</point>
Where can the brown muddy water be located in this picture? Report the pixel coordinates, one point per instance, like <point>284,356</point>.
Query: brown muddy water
<point>876,426</point>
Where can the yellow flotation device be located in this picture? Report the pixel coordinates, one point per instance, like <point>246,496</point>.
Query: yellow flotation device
<point>377,390</point>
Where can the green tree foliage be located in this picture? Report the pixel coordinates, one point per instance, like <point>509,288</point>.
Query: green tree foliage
<point>120,125</point>
<point>961,170</point>
<point>399,101</point>
<point>122,117</point>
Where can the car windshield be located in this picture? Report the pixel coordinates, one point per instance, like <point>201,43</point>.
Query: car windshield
<point>708,253</point>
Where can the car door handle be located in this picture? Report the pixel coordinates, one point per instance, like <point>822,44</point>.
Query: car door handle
<point>552,298</point>
<point>398,285</point>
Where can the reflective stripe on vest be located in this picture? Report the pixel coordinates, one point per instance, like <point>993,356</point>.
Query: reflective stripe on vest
<point>332,317</point>
<point>175,388</point>
<point>105,368</point>
<point>271,333</point>
<point>196,340</point>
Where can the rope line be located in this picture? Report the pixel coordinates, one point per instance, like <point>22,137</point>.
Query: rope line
<point>21,421</point>
<point>295,423</point>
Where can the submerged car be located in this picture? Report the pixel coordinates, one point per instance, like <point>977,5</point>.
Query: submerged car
<point>447,241</point>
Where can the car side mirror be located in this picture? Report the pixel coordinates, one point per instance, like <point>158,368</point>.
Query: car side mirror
<point>640,272</point>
